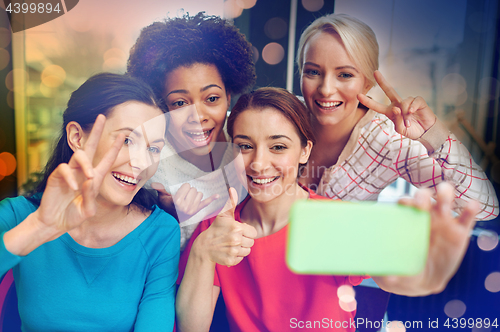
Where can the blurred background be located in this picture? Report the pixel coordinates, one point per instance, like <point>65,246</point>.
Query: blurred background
<point>447,51</point>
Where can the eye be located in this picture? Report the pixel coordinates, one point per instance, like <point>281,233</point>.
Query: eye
<point>244,146</point>
<point>154,149</point>
<point>311,72</point>
<point>179,103</point>
<point>346,75</point>
<point>213,99</point>
<point>127,141</point>
<point>279,147</point>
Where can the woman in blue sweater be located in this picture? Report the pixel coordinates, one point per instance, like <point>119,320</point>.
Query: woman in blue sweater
<point>89,250</point>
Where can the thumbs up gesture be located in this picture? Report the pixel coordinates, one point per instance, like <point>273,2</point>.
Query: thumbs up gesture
<point>226,241</point>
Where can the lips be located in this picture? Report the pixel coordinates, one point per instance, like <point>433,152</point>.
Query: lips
<point>262,181</point>
<point>328,105</point>
<point>199,137</point>
<point>125,179</point>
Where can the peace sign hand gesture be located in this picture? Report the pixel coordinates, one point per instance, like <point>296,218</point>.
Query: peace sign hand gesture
<point>412,117</point>
<point>70,195</point>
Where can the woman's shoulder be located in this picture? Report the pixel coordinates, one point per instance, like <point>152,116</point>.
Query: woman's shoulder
<point>160,217</point>
<point>160,230</point>
<point>20,204</point>
<point>16,209</point>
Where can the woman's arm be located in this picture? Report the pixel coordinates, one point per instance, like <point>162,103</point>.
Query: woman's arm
<point>225,242</point>
<point>69,197</point>
<point>449,240</point>
<point>425,153</point>
<point>197,294</point>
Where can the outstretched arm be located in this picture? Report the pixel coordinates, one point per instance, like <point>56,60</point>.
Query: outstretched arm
<point>69,197</point>
<point>427,154</point>
<point>449,240</point>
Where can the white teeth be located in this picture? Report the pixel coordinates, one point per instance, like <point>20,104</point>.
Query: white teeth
<point>330,104</point>
<point>263,181</point>
<point>204,135</point>
<point>125,178</point>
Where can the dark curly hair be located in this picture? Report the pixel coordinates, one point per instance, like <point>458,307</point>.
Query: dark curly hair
<point>183,41</point>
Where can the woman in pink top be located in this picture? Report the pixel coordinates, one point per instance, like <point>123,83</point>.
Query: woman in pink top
<point>241,252</point>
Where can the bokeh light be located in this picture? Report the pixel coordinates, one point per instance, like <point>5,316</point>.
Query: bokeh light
<point>5,37</point>
<point>15,80</point>
<point>276,28</point>
<point>492,282</point>
<point>455,309</point>
<point>246,4</point>
<point>114,64</point>
<point>348,306</point>
<point>232,9</point>
<point>395,326</point>
<point>53,76</point>
<point>10,163</point>
<point>3,169</point>
<point>487,240</point>
<point>313,5</point>
<point>345,293</point>
<point>114,53</point>
<point>273,53</point>
<point>4,58</point>
<point>10,99</point>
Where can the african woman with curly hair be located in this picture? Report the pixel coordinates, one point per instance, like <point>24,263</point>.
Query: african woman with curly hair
<point>194,65</point>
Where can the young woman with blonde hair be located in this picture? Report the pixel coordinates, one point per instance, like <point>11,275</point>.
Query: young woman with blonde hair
<point>364,146</point>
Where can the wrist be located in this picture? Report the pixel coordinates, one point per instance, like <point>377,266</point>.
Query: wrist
<point>434,136</point>
<point>43,231</point>
<point>200,250</point>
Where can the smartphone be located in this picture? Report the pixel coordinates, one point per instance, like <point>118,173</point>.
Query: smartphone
<point>356,238</point>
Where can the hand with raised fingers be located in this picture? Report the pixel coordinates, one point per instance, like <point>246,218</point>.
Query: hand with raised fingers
<point>449,239</point>
<point>187,201</point>
<point>412,117</point>
<point>70,195</point>
<point>227,241</point>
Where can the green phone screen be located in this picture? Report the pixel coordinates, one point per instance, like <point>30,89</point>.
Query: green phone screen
<point>347,238</point>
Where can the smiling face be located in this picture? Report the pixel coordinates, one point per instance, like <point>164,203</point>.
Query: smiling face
<point>197,102</point>
<point>137,161</point>
<point>330,80</point>
<point>271,150</point>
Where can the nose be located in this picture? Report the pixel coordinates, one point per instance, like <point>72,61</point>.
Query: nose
<point>327,87</point>
<point>140,159</point>
<point>198,114</point>
<point>260,161</point>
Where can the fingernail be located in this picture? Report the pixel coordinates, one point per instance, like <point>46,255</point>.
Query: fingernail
<point>408,123</point>
<point>410,110</point>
